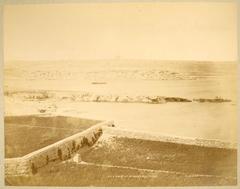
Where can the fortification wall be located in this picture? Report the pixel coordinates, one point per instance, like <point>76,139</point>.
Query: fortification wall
<point>59,151</point>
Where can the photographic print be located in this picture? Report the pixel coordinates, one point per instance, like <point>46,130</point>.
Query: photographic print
<point>120,94</point>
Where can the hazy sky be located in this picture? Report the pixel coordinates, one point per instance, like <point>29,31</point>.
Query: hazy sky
<point>192,31</point>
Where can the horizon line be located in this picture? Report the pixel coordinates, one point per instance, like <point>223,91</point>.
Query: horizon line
<point>118,59</point>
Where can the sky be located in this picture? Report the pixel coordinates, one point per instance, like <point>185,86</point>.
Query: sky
<point>156,30</point>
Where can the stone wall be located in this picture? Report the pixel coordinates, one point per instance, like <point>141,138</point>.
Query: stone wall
<point>15,166</point>
<point>59,151</point>
<point>212,143</point>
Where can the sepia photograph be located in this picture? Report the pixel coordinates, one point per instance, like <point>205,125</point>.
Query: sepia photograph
<point>120,94</point>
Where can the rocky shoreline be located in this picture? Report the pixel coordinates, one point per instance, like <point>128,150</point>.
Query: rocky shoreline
<point>91,97</point>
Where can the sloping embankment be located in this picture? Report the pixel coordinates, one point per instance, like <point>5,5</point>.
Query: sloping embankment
<point>171,139</point>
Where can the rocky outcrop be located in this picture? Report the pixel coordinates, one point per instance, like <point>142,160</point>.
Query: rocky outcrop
<point>213,100</point>
<point>123,98</point>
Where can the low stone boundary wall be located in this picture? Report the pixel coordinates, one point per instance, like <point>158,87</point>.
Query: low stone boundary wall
<point>173,139</point>
<point>15,166</point>
<point>61,150</point>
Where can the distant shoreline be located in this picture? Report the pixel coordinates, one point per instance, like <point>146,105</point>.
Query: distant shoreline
<point>41,95</point>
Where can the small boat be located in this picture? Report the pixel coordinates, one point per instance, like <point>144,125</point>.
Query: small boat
<point>99,83</point>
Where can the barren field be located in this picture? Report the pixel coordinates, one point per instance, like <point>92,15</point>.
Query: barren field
<point>115,161</point>
<point>155,155</point>
<point>25,134</point>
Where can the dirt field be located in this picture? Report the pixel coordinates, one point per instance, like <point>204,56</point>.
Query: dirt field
<point>156,155</point>
<point>132,162</point>
<point>24,134</point>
